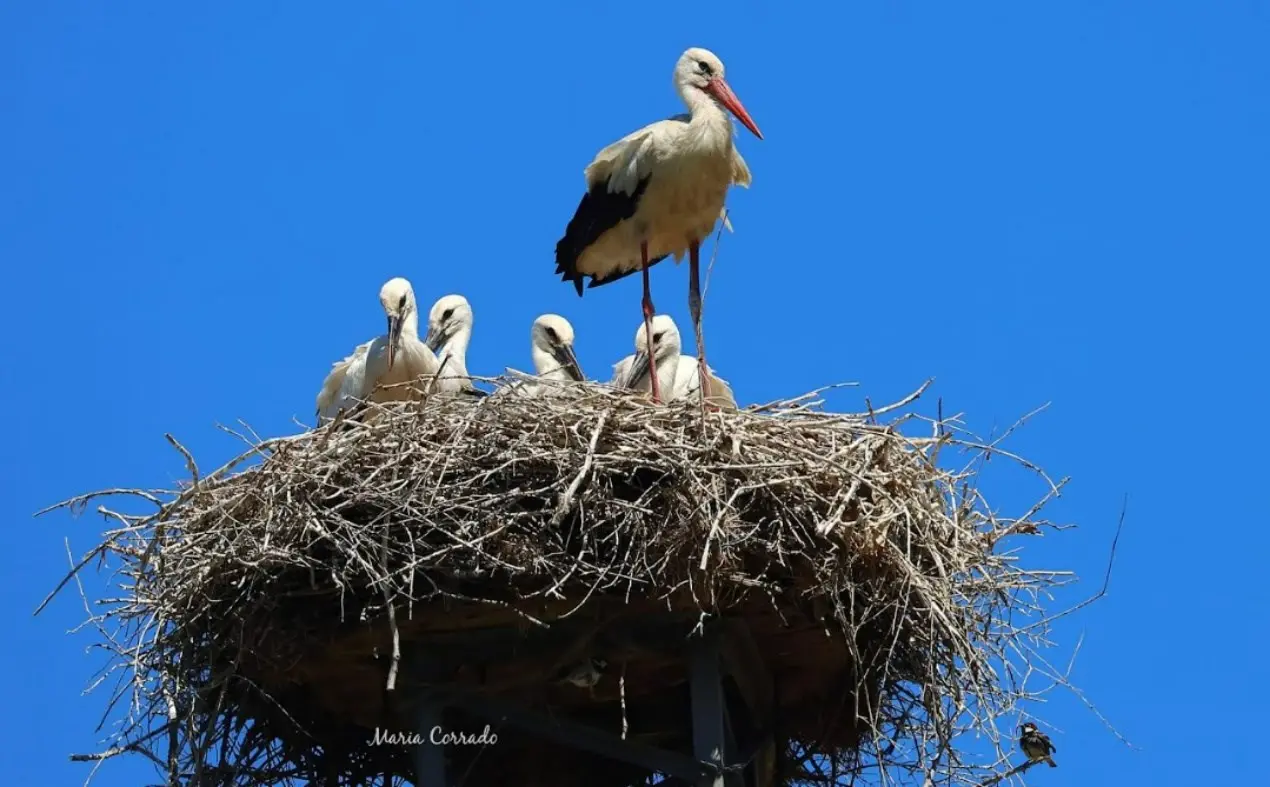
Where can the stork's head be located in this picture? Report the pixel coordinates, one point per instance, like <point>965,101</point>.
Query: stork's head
<point>665,337</point>
<point>398,299</point>
<point>701,70</point>
<point>449,316</point>
<point>665,344</point>
<point>552,336</point>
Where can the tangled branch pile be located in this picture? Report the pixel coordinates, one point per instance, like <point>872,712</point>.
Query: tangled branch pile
<point>261,613</point>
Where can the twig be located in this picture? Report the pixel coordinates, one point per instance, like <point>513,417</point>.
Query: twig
<point>714,252</point>
<point>714,529</point>
<point>1013,771</point>
<point>97,551</point>
<point>392,614</point>
<point>1106,580</point>
<point>190,464</point>
<point>907,400</point>
<point>566,500</point>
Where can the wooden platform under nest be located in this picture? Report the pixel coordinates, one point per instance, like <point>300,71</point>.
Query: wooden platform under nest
<point>784,676</point>
<point>669,694</point>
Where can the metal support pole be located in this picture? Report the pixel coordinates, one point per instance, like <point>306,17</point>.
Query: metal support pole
<point>709,708</point>
<point>429,758</point>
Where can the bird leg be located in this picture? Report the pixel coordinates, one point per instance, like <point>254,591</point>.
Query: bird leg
<point>694,306</point>
<point>648,323</point>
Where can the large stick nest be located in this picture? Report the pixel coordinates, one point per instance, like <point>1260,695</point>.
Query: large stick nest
<point>261,614</point>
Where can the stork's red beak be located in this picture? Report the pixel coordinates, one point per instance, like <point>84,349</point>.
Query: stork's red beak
<point>718,87</point>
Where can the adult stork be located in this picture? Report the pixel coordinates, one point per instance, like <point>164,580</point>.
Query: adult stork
<point>658,192</point>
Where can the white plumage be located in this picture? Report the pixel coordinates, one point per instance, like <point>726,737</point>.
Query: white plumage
<point>676,373</point>
<point>394,359</point>
<point>555,365</point>
<point>551,345</point>
<point>449,333</point>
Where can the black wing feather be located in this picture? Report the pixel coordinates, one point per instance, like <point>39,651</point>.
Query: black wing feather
<point>599,211</point>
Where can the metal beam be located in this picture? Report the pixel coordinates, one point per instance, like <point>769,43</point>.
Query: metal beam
<point>709,707</point>
<point>743,662</point>
<point>499,645</point>
<point>578,736</point>
<point>427,711</point>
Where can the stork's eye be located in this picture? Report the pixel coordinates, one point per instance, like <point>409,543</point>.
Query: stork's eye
<point>704,66</point>
<point>448,314</point>
<point>402,303</point>
<point>657,337</point>
<point>552,333</point>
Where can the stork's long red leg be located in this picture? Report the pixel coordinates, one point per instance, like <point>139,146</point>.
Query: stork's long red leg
<point>694,305</point>
<point>648,324</point>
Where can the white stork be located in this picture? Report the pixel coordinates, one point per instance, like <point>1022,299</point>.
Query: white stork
<point>551,346</point>
<point>677,374</point>
<point>393,359</point>
<point>658,192</point>
<point>449,333</point>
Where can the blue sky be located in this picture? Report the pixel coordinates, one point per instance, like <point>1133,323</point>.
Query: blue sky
<point>1061,202</point>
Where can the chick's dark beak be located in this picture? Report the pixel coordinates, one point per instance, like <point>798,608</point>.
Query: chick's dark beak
<point>639,370</point>
<point>435,338</point>
<point>563,353</point>
<point>394,338</point>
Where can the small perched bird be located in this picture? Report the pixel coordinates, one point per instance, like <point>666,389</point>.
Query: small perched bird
<point>677,374</point>
<point>449,333</point>
<point>586,674</point>
<point>1036,744</point>
<point>658,192</point>
<point>393,359</point>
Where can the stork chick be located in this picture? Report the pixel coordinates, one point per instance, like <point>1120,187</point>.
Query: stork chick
<point>551,345</point>
<point>449,333</point>
<point>379,369</point>
<point>677,374</point>
<point>656,358</point>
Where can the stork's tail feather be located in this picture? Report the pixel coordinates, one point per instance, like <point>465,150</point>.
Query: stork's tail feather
<point>599,281</point>
<point>1051,762</point>
<point>566,262</point>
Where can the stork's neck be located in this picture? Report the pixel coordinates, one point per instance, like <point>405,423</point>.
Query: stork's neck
<point>455,349</point>
<point>665,369</point>
<point>705,110</point>
<point>709,131</point>
<point>410,325</point>
<point>546,365</point>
